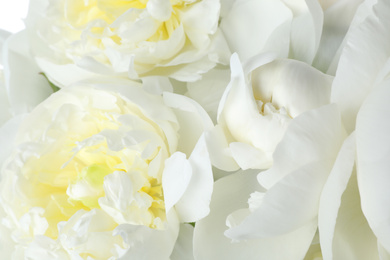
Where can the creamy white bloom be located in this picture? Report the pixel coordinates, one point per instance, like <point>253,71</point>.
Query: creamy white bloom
<point>330,169</point>
<point>132,38</point>
<point>93,174</point>
<point>354,206</point>
<point>309,31</point>
<point>263,96</point>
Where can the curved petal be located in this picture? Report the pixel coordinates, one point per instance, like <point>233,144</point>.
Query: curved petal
<point>363,57</point>
<point>306,29</point>
<point>147,243</point>
<point>192,118</point>
<point>231,193</point>
<point>334,30</point>
<point>20,71</point>
<point>194,204</point>
<point>334,188</point>
<point>318,134</point>
<point>176,177</point>
<point>291,84</point>
<point>250,23</point>
<point>295,196</point>
<point>373,151</point>
<point>183,249</point>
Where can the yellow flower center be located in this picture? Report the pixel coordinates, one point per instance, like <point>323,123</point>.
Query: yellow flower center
<point>68,165</point>
<point>79,14</point>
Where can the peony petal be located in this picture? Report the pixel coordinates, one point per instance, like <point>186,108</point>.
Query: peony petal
<point>159,9</point>
<point>214,82</point>
<point>373,151</point>
<point>318,134</point>
<point>250,23</point>
<point>183,249</point>
<point>365,53</point>
<point>306,29</point>
<point>193,120</point>
<point>249,157</point>
<point>200,21</point>
<point>334,30</point>
<point>194,204</point>
<point>220,153</point>
<point>146,243</point>
<point>231,193</point>
<point>21,71</point>
<point>295,196</point>
<point>331,194</point>
<point>353,237</point>
<point>291,84</point>
<point>176,177</point>
<point>344,231</point>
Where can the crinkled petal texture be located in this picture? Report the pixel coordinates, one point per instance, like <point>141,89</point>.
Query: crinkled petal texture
<point>373,150</point>
<point>178,38</point>
<point>262,98</point>
<point>84,179</point>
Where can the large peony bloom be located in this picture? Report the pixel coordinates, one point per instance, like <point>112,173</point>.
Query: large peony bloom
<point>132,38</point>
<point>329,173</point>
<point>93,174</point>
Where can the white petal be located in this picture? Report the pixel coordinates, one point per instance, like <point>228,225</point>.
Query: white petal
<point>200,20</point>
<point>8,133</point>
<point>146,243</point>
<point>21,71</point>
<point>193,120</point>
<point>344,232</point>
<point>250,23</point>
<point>373,151</point>
<point>365,53</point>
<point>292,84</point>
<point>334,31</point>
<point>218,146</point>
<point>159,9</point>
<point>194,204</point>
<point>353,237</point>
<point>249,157</point>
<point>183,249</point>
<point>231,193</point>
<point>306,30</point>
<point>214,82</point>
<point>176,177</point>
<point>295,196</point>
<point>318,134</point>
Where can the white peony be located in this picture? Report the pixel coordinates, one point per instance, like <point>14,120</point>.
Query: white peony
<point>102,171</point>
<point>326,194</point>
<point>262,98</point>
<point>134,38</point>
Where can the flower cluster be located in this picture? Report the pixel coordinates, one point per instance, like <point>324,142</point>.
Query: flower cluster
<point>196,130</point>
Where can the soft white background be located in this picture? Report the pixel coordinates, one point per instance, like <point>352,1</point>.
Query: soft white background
<point>11,14</point>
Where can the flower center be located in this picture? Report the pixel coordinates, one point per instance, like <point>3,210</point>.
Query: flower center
<point>82,14</point>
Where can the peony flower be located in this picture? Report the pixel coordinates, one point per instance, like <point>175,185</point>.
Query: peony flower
<point>94,170</point>
<point>175,38</point>
<point>325,196</point>
<point>260,101</point>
